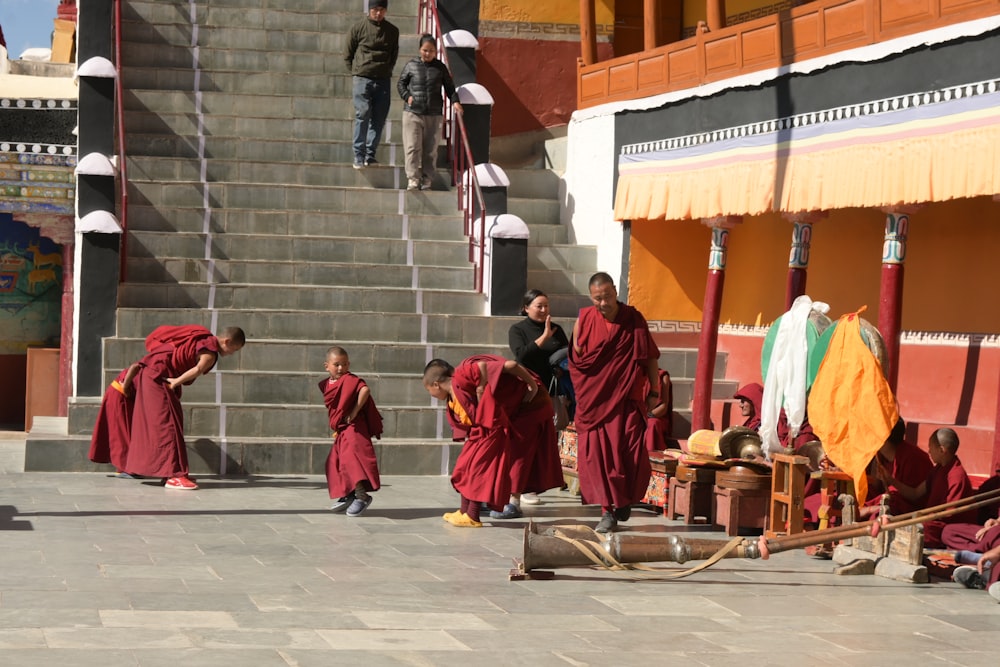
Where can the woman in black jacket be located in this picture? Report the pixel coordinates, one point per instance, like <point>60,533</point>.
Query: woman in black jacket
<point>534,339</point>
<point>420,85</point>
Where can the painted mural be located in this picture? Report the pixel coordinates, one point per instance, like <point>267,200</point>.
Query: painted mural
<point>30,288</point>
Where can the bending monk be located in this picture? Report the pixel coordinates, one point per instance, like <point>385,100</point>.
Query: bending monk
<point>177,356</point>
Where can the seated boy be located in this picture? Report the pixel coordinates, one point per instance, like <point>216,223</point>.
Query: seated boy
<point>351,467</point>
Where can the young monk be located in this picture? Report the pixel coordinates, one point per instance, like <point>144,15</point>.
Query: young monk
<point>109,441</point>
<point>177,357</point>
<point>946,483</point>
<point>897,460</point>
<point>351,467</point>
<point>483,396</point>
<point>985,540</point>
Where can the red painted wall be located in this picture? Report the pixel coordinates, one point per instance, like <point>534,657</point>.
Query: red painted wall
<point>533,82</point>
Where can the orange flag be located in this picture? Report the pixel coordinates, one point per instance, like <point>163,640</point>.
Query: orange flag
<point>851,407</point>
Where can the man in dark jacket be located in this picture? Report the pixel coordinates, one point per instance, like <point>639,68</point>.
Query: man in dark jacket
<point>372,49</point>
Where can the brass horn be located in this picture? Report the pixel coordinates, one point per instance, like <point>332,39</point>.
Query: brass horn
<point>557,546</point>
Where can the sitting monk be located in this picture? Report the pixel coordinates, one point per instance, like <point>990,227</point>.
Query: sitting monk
<point>983,542</point>
<point>660,420</point>
<point>897,461</point>
<point>750,397</point>
<point>946,483</point>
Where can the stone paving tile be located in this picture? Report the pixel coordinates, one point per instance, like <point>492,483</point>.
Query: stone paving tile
<point>985,657</point>
<point>399,640</point>
<point>90,638</point>
<point>888,641</point>
<point>202,657</point>
<point>113,618</point>
<point>21,638</point>
<point>395,620</point>
<point>74,657</point>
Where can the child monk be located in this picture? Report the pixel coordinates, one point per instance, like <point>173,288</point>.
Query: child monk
<point>351,467</point>
<point>109,441</point>
<point>483,396</point>
<point>177,357</point>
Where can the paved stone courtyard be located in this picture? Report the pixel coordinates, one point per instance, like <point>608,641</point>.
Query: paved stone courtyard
<point>256,572</point>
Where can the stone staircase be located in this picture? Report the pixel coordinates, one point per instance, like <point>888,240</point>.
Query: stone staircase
<point>244,210</point>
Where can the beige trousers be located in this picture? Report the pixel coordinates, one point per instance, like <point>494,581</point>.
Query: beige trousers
<point>420,141</point>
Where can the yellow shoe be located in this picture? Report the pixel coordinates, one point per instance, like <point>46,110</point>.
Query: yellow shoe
<point>465,521</point>
<point>451,516</point>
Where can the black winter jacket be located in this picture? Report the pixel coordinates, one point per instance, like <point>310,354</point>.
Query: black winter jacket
<point>424,82</point>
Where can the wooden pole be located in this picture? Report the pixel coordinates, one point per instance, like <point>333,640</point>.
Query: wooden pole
<point>715,13</point>
<point>588,32</point>
<point>650,24</point>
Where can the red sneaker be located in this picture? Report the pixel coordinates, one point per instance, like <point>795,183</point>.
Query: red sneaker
<point>181,483</point>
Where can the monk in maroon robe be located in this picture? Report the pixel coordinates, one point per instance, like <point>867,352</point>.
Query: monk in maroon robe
<point>613,363</point>
<point>109,441</point>
<point>176,358</point>
<point>984,540</point>
<point>897,461</point>
<point>660,421</point>
<point>351,467</point>
<point>484,395</point>
<point>947,482</point>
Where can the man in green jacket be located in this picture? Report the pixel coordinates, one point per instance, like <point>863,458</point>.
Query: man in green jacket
<point>372,49</point>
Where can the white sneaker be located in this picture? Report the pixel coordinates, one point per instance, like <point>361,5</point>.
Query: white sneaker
<point>994,591</point>
<point>413,184</point>
<point>530,499</point>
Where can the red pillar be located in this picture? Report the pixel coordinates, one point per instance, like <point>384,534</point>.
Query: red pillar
<point>588,32</point>
<point>701,405</point>
<point>798,256</point>
<point>66,331</point>
<point>890,312</point>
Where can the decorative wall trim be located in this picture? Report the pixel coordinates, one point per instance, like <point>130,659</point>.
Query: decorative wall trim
<point>540,31</point>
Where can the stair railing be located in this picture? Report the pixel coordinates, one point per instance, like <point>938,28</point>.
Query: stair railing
<point>120,142</point>
<point>463,172</point>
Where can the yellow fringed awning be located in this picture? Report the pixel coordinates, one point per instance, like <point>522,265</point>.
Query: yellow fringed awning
<point>953,154</point>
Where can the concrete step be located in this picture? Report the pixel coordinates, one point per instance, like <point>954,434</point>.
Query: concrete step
<point>285,150</point>
<point>335,17</point>
<point>533,183</point>
<point>331,199</point>
<point>570,284</point>
<point>337,84</point>
<point>243,49</point>
<point>302,249</point>
<point>309,298</point>
<point>142,103</point>
<point>294,224</point>
<point>237,456</point>
<point>297,273</point>
<point>332,326</point>
<point>236,128</point>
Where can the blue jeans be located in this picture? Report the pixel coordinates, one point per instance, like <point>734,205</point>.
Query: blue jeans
<point>371,107</point>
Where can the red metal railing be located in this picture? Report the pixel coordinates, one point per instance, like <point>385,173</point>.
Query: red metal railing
<point>463,171</point>
<point>120,140</point>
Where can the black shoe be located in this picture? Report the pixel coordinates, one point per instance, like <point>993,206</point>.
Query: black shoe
<point>623,513</point>
<point>968,576</point>
<point>341,504</point>
<point>370,161</point>
<point>608,523</point>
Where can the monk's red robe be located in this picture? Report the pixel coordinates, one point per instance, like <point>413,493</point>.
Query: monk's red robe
<point>912,467</point>
<point>609,378</point>
<point>535,465</point>
<point>946,484</point>
<point>352,456</point>
<point>109,441</point>
<point>482,471</point>
<point>156,443</point>
<point>963,536</point>
<point>659,430</point>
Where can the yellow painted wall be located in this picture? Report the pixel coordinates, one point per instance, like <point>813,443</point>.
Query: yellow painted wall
<point>694,10</point>
<point>547,11</point>
<point>950,272</point>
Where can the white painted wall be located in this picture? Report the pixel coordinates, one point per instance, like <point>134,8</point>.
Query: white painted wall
<point>586,191</point>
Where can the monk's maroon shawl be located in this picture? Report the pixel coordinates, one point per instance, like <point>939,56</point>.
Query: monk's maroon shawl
<point>352,457</point>
<point>109,441</point>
